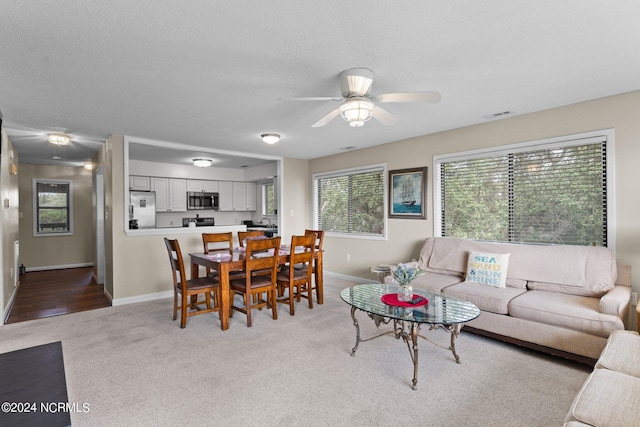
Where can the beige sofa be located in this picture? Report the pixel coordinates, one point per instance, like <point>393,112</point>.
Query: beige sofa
<point>611,394</point>
<point>565,300</point>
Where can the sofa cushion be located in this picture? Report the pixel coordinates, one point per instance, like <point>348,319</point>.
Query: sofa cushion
<point>578,270</point>
<point>434,282</point>
<point>487,268</point>
<point>622,353</point>
<point>564,310</point>
<point>607,398</point>
<point>487,298</point>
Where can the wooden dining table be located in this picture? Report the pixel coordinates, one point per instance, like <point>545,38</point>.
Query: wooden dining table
<point>224,262</point>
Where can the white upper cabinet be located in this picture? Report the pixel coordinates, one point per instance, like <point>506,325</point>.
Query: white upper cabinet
<point>239,196</point>
<point>199,185</point>
<point>225,194</point>
<point>251,196</point>
<point>171,194</point>
<point>139,183</point>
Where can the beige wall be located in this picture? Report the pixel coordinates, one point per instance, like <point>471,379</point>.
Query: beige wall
<point>295,198</point>
<point>621,112</point>
<point>9,219</point>
<point>57,251</point>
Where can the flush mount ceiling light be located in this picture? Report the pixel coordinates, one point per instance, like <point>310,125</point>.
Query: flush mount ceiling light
<point>59,139</point>
<point>88,166</point>
<point>356,111</point>
<point>270,138</point>
<point>202,163</point>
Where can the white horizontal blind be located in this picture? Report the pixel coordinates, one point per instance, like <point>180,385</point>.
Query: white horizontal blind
<point>555,195</point>
<point>351,201</point>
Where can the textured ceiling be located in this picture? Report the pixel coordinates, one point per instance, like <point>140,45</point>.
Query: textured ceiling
<point>212,74</point>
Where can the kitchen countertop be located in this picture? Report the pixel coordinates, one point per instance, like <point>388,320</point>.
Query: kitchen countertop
<point>185,230</point>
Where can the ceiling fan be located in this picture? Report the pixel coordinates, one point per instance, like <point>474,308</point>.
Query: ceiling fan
<point>359,105</point>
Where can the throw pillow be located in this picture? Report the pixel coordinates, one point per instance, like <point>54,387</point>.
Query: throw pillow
<point>487,269</point>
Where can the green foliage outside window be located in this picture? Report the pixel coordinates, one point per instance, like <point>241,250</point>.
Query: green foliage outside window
<point>555,196</point>
<point>52,210</point>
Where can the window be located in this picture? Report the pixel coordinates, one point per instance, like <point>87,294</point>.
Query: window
<point>351,202</point>
<point>549,192</point>
<point>52,201</point>
<point>268,199</point>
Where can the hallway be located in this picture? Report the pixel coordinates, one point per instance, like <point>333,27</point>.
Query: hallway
<point>55,292</point>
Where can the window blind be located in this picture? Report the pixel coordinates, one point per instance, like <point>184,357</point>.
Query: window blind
<point>554,195</point>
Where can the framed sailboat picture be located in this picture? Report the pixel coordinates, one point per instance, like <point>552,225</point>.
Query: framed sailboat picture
<point>407,193</point>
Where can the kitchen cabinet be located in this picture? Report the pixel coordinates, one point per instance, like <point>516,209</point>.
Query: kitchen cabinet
<point>239,196</point>
<point>139,183</point>
<point>225,195</point>
<point>251,196</point>
<point>171,194</point>
<point>201,185</point>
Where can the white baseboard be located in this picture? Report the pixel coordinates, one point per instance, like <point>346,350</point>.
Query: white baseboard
<point>60,267</point>
<point>142,298</point>
<point>7,309</point>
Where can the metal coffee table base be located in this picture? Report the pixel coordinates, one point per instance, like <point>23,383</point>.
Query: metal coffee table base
<point>409,332</point>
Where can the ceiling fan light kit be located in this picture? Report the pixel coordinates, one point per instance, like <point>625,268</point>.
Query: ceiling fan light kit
<point>270,138</point>
<point>59,139</point>
<point>202,163</point>
<point>356,111</point>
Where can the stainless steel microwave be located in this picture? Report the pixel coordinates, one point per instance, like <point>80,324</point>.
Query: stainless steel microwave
<point>201,200</point>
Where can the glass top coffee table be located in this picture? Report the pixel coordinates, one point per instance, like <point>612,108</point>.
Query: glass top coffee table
<point>440,312</point>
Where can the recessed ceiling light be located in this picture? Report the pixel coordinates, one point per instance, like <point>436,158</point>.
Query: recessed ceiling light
<point>270,138</point>
<point>202,163</point>
<point>56,158</point>
<point>59,139</point>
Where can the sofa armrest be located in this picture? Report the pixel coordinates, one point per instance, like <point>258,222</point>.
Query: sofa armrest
<point>616,301</point>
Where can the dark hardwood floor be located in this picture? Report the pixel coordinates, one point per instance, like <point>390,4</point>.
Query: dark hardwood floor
<point>55,292</point>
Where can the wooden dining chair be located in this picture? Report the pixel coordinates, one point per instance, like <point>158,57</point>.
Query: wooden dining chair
<point>189,289</point>
<point>244,235</point>
<point>297,276</point>
<point>319,240</point>
<point>217,242</point>
<point>260,277</point>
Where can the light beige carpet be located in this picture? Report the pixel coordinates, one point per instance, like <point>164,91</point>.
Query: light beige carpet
<point>134,366</point>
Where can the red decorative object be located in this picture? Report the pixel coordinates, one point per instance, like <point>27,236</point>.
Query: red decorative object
<point>392,299</point>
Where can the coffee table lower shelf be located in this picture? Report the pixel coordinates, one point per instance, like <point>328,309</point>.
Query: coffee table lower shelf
<point>440,312</point>
<point>409,332</point>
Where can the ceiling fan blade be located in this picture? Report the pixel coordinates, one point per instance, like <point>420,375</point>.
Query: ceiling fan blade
<point>311,98</point>
<point>383,116</point>
<point>431,97</point>
<point>326,119</point>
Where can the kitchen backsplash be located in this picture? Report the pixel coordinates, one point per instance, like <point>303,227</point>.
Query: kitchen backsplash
<point>174,219</point>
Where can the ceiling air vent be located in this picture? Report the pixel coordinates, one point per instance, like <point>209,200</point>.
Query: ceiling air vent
<point>499,115</point>
<point>351,147</point>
